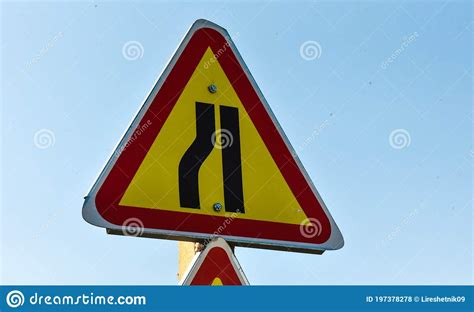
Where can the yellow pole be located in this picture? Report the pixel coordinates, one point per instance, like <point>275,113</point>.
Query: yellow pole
<point>186,252</point>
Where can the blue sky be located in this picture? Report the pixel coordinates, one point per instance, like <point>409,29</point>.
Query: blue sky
<point>381,117</point>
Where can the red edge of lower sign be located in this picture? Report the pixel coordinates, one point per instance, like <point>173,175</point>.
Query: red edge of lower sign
<point>115,184</point>
<point>216,264</point>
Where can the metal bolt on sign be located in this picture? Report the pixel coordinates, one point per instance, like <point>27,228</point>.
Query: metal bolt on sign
<point>217,207</point>
<point>212,88</point>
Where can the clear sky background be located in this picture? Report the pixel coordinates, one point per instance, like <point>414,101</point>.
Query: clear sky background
<point>381,117</point>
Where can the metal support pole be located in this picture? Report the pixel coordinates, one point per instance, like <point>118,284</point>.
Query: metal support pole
<point>186,252</point>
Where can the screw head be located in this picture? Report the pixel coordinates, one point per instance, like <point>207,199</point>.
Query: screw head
<point>212,88</point>
<point>217,207</point>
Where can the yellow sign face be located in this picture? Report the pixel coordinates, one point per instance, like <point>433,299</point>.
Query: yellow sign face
<point>265,193</point>
<point>217,282</point>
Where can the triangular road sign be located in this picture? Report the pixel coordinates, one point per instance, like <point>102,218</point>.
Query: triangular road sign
<point>216,265</point>
<point>205,156</point>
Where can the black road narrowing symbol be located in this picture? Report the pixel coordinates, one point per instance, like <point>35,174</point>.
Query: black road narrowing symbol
<point>200,149</point>
<point>231,162</point>
<point>195,155</point>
